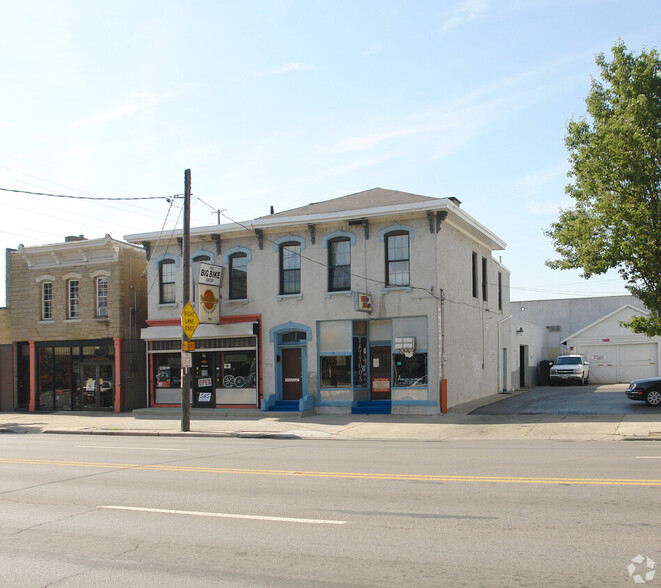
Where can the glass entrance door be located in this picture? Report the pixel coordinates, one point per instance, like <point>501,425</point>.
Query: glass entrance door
<point>204,392</point>
<point>97,385</point>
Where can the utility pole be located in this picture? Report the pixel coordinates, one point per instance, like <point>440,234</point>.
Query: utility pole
<point>185,384</point>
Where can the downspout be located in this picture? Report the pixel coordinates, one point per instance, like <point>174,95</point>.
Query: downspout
<point>502,390</point>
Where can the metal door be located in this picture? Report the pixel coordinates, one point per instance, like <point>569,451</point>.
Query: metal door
<point>204,391</point>
<point>292,380</point>
<point>380,372</point>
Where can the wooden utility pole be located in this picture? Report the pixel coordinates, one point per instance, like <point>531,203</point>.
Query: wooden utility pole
<point>185,383</point>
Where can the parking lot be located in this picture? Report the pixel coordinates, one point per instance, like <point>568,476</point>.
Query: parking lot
<point>569,400</point>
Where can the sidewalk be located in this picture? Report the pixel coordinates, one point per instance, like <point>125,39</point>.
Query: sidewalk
<point>456,424</point>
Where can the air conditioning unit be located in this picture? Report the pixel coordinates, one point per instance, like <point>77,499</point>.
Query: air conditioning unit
<point>102,311</point>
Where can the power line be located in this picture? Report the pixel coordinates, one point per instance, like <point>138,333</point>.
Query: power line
<point>166,198</point>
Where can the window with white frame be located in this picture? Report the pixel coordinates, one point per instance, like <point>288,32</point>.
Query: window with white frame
<point>166,280</point>
<point>73,287</point>
<point>397,259</point>
<point>339,264</point>
<point>290,268</point>
<point>46,301</point>
<point>102,297</point>
<point>238,276</point>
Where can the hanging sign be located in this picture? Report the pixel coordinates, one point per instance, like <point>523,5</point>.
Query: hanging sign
<point>210,275</point>
<point>208,304</point>
<point>363,302</point>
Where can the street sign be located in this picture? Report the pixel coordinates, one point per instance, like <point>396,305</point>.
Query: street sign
<point>189,320</point>
<point>188,345</point>
<point>186,359</point>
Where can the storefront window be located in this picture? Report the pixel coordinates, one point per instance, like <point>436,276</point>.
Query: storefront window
<point>167,370</point>
<point>46,378</point>
<point>410,371</point>
<point>336,371</point>
<point>62,365</point>
<point>236,369</point>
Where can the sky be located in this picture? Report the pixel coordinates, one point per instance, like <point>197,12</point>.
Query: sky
<point>286,102</point>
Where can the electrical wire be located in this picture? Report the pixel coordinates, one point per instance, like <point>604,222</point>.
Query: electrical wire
<point>167,198</point>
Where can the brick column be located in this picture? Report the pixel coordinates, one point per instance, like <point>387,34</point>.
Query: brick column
<point>33,377</point>
<point>118,403</point>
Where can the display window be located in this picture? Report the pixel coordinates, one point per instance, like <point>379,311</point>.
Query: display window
<point>410,371</point>
<point>336,371</point>
<point>167,370</point>
<point>236,369</point>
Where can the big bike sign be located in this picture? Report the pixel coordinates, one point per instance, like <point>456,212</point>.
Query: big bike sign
<point>208,293</point>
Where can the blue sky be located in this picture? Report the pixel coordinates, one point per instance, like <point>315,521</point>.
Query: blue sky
<point>288,102</point>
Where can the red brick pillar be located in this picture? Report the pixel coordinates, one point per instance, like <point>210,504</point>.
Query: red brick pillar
<point>118,403</point>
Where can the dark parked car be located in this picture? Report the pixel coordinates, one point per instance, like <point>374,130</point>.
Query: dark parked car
<point>647,389</point>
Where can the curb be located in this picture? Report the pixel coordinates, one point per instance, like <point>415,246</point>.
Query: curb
<point>238,434</point>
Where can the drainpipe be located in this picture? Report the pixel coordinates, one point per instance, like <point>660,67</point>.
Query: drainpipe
<point>502,390</point>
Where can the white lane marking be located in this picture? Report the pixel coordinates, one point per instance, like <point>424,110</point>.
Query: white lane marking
<point>224,515</point>
<point>648,457</point>
<point>136,448</point>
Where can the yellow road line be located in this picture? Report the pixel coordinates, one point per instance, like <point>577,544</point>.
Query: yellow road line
<point>350,475</point>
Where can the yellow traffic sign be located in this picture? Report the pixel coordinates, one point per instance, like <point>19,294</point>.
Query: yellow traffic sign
<point>188,345</point>
<point>189,320</point>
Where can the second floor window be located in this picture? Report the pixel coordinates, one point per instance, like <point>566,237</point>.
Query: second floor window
<point>74,290</point>
<point>46,301</point>
<point>238,276</point>
<point>102,296</point>
<point>397,259</point>
<point>166,279</point>
<point>339,265</point>
<point>290,268</point>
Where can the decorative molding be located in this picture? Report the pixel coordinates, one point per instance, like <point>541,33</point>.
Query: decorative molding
<point>288,239</point>
<point>287,328</point>
<point>393,228</point>
<point>336,235</point>
<point>234,250</point>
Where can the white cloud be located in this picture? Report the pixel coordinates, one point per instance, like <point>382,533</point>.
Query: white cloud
<point>137,102</point>
<point>466,11</point>
<point>373,49</point>
<point>287,68</point>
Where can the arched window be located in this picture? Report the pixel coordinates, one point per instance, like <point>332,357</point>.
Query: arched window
<point>339,264</point>
<point>238,267</point>
<point>166,280</point>
<point>397,259</point>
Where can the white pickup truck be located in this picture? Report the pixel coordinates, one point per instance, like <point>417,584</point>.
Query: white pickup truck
<point>567,368</point>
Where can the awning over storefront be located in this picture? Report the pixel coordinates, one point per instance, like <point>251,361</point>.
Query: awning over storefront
<point>202,332</point>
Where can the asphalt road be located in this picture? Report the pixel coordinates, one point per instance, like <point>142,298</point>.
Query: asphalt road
<point>138,511</point>
<point>569,400</point>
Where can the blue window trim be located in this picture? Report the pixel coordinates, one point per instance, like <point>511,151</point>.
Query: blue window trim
<point>336,235</point>
<point>287,327</point>
<point>157,260</point>
<point>288,239</point>
<point>212,256</point>
<point>233,251</point>
<point>393,228</point>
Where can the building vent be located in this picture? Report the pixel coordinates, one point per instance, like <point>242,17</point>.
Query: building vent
<point>554,329</point>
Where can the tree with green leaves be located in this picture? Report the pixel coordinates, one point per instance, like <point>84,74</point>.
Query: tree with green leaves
<point>615,220</point>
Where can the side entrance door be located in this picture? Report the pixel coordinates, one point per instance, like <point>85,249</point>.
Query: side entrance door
<point>204,391</point>
<point>292,377</point>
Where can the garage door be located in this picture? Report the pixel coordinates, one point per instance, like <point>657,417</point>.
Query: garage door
<point>637,361</point>
<point>611,364</point>
<point>603,363</point>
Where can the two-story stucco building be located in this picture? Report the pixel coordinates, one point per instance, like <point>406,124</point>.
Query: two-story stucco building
<point>379,300</point>
<point>75,313</point>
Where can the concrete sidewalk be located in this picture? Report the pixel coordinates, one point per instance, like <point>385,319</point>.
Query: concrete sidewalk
<point>458,423</point>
